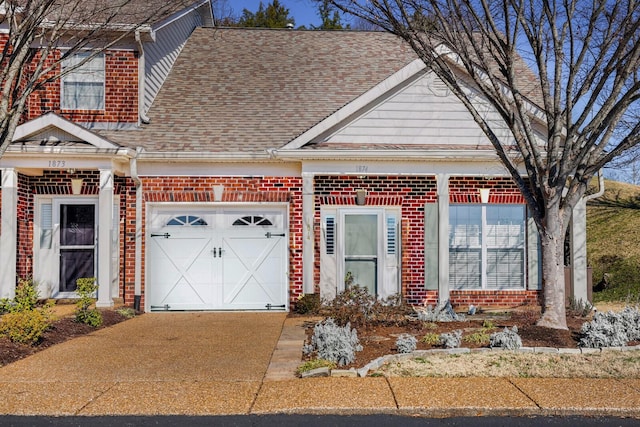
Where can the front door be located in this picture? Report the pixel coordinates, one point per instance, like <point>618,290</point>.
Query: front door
<point>361,250</point>
<point>77,244</point>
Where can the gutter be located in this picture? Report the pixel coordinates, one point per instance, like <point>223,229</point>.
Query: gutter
<point>142,115</point>
<point>137,294</point>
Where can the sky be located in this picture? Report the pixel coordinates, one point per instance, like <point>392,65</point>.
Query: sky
<point>303,11</point>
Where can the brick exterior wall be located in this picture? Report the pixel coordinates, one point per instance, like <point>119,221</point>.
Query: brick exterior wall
<point>121,94</point>
<point>237,189</point>
<point>411,193</point>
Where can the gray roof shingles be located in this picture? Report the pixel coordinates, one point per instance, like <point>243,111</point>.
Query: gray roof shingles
<point>248,90</point>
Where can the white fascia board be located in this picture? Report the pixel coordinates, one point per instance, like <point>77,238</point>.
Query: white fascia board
<point>360,102</point>
<point>53,120</point>
<point>373,154</point>
<point>176,16</point>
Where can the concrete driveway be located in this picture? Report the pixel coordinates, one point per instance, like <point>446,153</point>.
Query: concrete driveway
<point>180,363</point>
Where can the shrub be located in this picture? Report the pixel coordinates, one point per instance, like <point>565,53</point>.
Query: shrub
<point>25,326</point>
<point>579,307</point>
<point>508,339</point>
<point>451,339</point>
<point>308,304</point>
<point>334,343</point>
<point>126,312</point>
<point>443,313</point>
<point>86,287</point>
<point>611,329</point>
<point>26,297</point>
<point>355,305</point>
<point>406,343</point>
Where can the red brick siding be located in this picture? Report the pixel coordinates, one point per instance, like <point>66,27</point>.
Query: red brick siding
<point>237,189</point>
<point>411,193</point>
<point>121,93</point>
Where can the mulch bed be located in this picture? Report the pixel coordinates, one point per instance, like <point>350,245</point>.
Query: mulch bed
<point>61,330</point>
<point>379,340</point>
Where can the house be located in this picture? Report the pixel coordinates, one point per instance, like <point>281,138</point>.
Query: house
<point>269,164</point>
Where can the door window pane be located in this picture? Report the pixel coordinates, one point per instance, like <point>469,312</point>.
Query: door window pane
<point>77,225</point>
<point>74,264</point>
<point>362,273</point>
<point>361,235</point>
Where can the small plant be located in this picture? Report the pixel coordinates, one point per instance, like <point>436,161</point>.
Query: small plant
<point>334,343</point>
<point>478,338</point>
<point>86,287</point>
<point>451,339</point>
<point>310,365</point>
<point>508,339</point>
<point>27,326</point>
<point>406,343</point>
<point>126,312</point>
<point>488,324</point>
<point>430,326</point>
<point>443,313</point>
<point>308,304</point>
<point>579,308</point>
<point>431,339</point>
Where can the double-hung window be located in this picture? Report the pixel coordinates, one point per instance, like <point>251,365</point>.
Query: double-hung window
<point>83,88</point>
<point>486,246</point>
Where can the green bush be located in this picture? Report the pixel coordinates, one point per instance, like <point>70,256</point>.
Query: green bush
<point>86,287</point>
<point>26,297</point>
<point>26,326</point>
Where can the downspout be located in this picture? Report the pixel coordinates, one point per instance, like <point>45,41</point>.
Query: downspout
<point>600,189</point>
<point>142,114</point>
<point>137,295</point>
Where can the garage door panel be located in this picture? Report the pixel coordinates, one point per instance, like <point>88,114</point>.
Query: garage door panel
<point>230,264</point>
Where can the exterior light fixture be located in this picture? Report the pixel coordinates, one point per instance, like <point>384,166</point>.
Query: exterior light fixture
<point>76,186</point>
<point>218,191</point>
<point>361,197</point>
<point>484,195</point>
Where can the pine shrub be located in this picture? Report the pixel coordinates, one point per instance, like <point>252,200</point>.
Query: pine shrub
<point>86,287</point>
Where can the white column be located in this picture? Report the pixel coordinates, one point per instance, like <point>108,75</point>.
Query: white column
<point>443,238</point>
<point>8,233</point>
<point>105,228</point>
<point>308,237</point>
<point>579,251</point>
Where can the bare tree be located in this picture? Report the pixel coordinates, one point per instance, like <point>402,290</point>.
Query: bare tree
<point>40,34</point>
<point>570,68</point>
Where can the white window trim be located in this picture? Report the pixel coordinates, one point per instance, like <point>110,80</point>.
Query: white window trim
<point>484,250</point>
<point>63,81</point>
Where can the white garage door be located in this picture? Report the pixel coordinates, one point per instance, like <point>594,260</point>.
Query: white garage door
<point>217,259</point>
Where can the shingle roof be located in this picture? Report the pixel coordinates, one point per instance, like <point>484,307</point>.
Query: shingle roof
<point>247,90</point>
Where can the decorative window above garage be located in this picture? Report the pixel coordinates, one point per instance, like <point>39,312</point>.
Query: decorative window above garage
<point>252,220</point>
<point>187,220</point>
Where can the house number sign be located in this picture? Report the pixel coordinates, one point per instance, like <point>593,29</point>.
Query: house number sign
<point>362,168</point>
<point>57,163</point>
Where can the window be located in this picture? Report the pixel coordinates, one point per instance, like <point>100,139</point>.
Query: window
<point>486,246</point>
<point>186,220</point>
<point>83,87</point>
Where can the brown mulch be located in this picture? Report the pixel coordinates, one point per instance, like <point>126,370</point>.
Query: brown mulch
<point>61,330</point>
<point>379,340</point>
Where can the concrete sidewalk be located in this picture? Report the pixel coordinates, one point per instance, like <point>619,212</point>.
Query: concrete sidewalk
<point>242,363</point>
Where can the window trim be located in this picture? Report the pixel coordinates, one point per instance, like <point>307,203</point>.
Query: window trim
<point>485,248</point>
<point>64,81</point>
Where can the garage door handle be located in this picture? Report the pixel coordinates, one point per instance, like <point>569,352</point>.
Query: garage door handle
<point>270,234</point>
<point>165,235</point>
<point>220,252</point>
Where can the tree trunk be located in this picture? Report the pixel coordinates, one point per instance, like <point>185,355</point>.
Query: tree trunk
<point>553,292</point>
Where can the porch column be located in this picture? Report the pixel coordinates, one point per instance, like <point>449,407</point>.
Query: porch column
<point>443,238</point>
<point>579,251</point>
<point>308,237</point>
<point>8,233</point>
<point>105,230</point>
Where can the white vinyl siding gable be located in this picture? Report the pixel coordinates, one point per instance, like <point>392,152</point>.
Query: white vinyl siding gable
<point>424,112</point>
